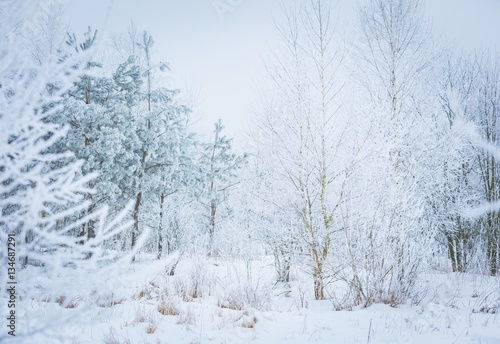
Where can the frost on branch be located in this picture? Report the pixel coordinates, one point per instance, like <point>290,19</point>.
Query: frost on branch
<point>42,193</point>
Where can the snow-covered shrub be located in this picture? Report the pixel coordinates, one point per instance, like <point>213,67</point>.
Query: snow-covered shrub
<point>167,306</point>
<point>488,301</point>
<point>244,296</point>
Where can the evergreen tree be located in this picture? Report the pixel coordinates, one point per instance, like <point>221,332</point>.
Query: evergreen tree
<point>218,166</point>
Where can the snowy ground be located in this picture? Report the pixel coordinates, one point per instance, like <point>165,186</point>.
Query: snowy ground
<point>225,301</point>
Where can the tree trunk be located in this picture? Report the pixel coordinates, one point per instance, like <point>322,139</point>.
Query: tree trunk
<point>90,224</point>
<point>319,285</point>
<point>493,242</point>
<point>213,209</point>
<point>135,230</point>
<point>160,228</point>
<point>88,86</point>
<point>452,253</point>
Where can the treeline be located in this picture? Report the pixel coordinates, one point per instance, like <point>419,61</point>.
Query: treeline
<point>135,137</point>
<point>380,153</point>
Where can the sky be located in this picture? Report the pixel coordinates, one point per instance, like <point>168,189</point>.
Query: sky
<point>216,48</point>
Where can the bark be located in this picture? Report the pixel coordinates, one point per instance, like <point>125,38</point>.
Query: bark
<point>319,284</point>
<point>135,229</point>
<point>160,228</point>
<point>213,210</point>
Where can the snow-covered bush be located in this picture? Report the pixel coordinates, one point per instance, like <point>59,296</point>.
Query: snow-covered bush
<point>246,295</point>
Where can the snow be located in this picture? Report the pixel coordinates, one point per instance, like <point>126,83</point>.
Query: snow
<point>449,312</point>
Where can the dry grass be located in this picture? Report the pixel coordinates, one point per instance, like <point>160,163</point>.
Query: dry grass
<point>186,317</point>
<point>111,339</point>
<point>151,328</point>
<point>250,323</point>
<point>231,303</point>
<point>246,296</point>
<point>166,307</point>
<point>188,292</point>
<point>149,292</point>
<point>73,303</point>
<point>110,302</point>
<point>141,316</point>
<point>488,302</point>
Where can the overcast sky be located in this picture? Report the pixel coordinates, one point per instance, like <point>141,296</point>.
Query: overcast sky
<point>219,51</point>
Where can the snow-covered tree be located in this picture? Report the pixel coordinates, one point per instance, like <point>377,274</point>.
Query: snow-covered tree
<point>98,111</point>
<point>456,188</point>
<point>473,83</point>
<point>270,212</point>
<point>47,34</point>
<point>307,130</point>
<point>171,154</point>
<point>218,165</point>
<point>382,238</point>
<point>486,118</point>
<point>41,191</point>
<point>133,134</point>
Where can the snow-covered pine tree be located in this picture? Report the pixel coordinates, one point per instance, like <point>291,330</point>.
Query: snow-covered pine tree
<point>133,134</point>
<point>169,162</point>
<point>103,132</point>
<point>218,166</point>
<point>165,148</point>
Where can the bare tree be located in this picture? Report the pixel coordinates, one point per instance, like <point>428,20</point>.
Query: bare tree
<point>458,192</point>
<point>473,81</point>
<point>486,118</point>
<point>394,58</point>
<point>396,53</point>
<point>128,44</point>
<point>46,36</point>
<point>306,129</point>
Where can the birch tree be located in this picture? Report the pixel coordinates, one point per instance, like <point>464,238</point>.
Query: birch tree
<point>394,60</point>
<point>307,131</point>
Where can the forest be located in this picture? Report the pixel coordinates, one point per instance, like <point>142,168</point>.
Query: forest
<point>367,188</point>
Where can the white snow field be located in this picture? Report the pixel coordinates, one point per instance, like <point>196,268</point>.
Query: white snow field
<point>204,302</point>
